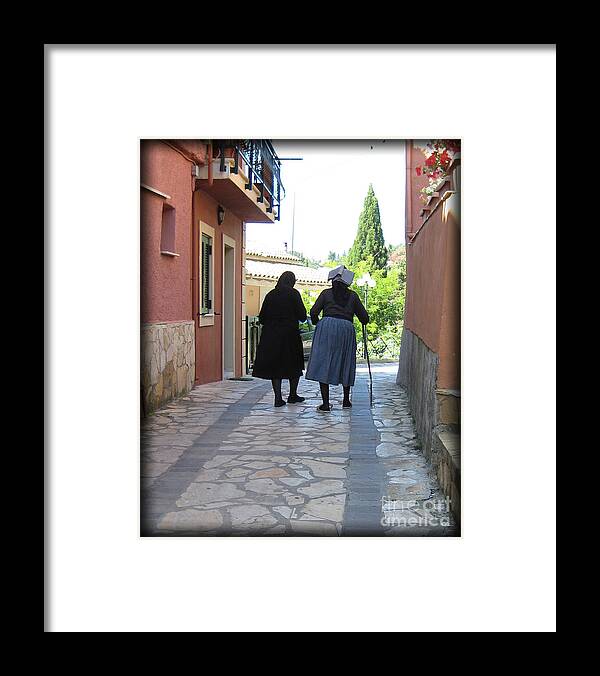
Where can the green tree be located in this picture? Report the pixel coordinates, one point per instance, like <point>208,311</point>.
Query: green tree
<point>369,244</point>
<point>385,305</point>
<point>330,264</point>
<point>309,296</point>
<point>308,262</point>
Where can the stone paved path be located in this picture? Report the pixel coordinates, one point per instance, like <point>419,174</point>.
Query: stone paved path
<point>223,461</point>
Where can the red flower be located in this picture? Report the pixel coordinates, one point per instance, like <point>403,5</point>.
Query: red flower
<point>430,161</point>
<point>445,159</point>
<point>419,171</point>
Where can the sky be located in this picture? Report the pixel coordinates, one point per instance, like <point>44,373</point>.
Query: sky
<point>330,184</point>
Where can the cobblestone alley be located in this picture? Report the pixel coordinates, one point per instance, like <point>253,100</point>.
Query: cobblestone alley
<point>223,461</point>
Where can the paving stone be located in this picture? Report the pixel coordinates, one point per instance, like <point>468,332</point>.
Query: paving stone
<point>251,517</point>
<point>218,460</point>
<point>166,455</point>
<point>293,482</point>
<point>324,469</point>
<point>265,499</point>
<point>275,473</point>
<point>209,475</point>
<point>400,481</point>
<point>191,519</point>
<point>238,472</point>
<point>267,486</point>
<point>199,493</point>
<point>330,507</point>
<point>389,450</point>
<point>320,488</point>
<point>316,528</point>
<point>259,465</point>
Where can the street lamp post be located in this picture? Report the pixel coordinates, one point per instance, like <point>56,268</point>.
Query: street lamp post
<point>366,281</point>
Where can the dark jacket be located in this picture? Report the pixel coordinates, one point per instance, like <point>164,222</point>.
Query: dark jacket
<point>279,353</point>
<point>327,303</point>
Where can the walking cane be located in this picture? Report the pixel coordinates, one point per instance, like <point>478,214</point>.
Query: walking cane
<point>364,328</point>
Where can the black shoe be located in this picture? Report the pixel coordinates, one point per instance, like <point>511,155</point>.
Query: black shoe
<point>278,403</point>
<point>346,404</point>
<point>295,399</point>
<point>324,409</point>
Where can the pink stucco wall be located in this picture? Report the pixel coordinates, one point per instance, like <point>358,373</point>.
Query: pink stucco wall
<point>449,343</point>
<point>166,287</point>
<point>170,284</point>
<point>432,309</point>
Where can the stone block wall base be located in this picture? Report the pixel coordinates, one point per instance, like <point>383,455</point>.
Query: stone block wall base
<point>448,407</point>
<point>446,459</point>
<point>436,413</point>
<point>168,362</point>
<point>417,373</point>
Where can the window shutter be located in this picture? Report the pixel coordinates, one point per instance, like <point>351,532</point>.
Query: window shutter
<point>206,300</point>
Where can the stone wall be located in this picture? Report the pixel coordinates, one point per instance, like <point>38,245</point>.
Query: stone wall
<point>436,413</point>
<point>167,361</point>
<point>446,452</point>
<point>417,373</point>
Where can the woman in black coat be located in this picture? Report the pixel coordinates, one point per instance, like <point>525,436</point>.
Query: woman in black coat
<point>279,354</point>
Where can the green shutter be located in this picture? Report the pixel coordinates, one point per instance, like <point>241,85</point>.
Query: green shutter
<point>205,293</point>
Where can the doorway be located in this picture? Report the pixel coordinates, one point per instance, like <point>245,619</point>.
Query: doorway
<point>228,307</point>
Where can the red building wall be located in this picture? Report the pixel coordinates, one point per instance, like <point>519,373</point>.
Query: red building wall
<point>449,342</point>
<point>432,310</point>
<point>170,283</point>
<point>166,289</point>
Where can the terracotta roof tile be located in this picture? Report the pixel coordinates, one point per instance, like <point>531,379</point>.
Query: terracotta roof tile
<point>267,270</point>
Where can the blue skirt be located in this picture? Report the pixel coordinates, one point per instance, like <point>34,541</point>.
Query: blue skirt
<point>333,354</point>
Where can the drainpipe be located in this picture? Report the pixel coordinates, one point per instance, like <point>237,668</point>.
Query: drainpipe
<point>210,163</point>
<point>408,204</point>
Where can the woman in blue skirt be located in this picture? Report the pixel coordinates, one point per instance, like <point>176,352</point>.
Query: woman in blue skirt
<point>333,355</point>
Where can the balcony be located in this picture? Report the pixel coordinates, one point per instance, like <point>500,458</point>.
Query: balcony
<point>244,176</point>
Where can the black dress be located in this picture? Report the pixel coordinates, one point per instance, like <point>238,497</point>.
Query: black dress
<point>279,353</point>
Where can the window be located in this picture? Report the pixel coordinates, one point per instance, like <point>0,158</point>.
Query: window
<point>206,275</point>
<point>167,233</point>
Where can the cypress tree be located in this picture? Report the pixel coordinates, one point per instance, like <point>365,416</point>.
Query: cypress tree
<point>369,239</point>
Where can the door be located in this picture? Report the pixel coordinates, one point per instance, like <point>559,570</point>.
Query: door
<point>228,311</point>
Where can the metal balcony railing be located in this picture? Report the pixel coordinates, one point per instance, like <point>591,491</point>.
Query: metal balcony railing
<point>260,164</point>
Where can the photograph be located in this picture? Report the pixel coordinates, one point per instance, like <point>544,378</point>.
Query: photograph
<point>296,353</point>
<point>300,337</point>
